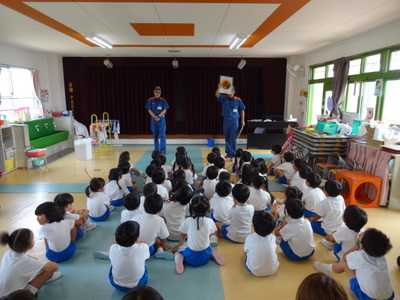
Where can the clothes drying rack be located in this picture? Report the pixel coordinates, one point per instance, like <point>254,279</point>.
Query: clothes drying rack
<point>100,133</point>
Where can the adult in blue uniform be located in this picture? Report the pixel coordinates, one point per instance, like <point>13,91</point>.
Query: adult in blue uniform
<point>157,107</point>
<point>232,109</point>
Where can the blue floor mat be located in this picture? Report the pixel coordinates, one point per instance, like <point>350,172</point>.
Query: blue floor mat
<point>43,188</point>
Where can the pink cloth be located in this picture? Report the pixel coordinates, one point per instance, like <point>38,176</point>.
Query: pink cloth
<point>374,161</point>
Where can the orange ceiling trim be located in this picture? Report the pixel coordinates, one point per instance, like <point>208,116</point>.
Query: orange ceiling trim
<point>286,9</point>
<point>164,29</point>
<point>170,46</point>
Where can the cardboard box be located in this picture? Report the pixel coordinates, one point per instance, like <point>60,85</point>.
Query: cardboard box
<point>370,138</point>
<point>83,149</point>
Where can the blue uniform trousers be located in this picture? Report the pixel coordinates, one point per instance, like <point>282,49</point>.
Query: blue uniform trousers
<point>230,127</point>
<point>160,139</point>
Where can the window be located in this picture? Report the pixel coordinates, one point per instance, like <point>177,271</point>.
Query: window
<point>390,113</point>
<point>330,71</point>
<point>319,73</point>
<point>355,67</point>
<point>16,90</point>
<point>372,63</point>
<point>395,60</point>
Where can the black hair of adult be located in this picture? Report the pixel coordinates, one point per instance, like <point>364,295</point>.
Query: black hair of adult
<point>149,189</point>
<point>95,184</point>
<point>304,171</point>
<point>20,295</point>
<point>212,172</point>
<point>288,156</point>
<point>115,174</point>
<point>158,175</point>
<point>248,174</point>
<point>224,175</point>
<point>276,149</point>
<point>127,233</point>
<point>246,156</point>
<point>375,243</point>
<point>51,210</point>
<point>132,201</point>
<point>183,195</point>
<point>263,166</point>
<point>299,162</point>
<point>219,162</point>
<point>314,180</point>
<point>156,162</point>
<point>163,159</point>
<point>155,154</point>
<point>125,166</point>
<point>199,207</point>
<point>223,188</point>
<point>241,192</point>
<point>153,204</point>
<point>142,292</point>
<point>294,208</point>
<point>355,217</point>
<point>63,199</point>
<point>293,192</point>
<point>333,188</point>
<point>19,240</point>
<point>150,169</point>
<point>211,157</point>
<point>263,222</point>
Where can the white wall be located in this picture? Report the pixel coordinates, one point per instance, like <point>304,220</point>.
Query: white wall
<point>49,65</point>
<point>380,38</point>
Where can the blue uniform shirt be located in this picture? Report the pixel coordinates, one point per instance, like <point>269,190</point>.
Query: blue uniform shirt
<point>231,107</point>
<point>156,105</point>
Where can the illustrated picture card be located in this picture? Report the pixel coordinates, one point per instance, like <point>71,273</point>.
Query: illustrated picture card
<point>226,84</point>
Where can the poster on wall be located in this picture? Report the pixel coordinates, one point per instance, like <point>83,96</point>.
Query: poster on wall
<point>226,84</point>
<point>370,114</point>
<point>378,87</point>
<point>44,95</point>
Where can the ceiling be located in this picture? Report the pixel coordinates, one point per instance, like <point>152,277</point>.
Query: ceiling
<point>164,28</point>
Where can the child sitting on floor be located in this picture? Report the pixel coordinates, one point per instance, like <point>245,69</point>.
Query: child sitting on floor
<point>299,180</point>
<point>115,188</point>
<point>158,177</point>
<point>221,202</point>
<point>125,167</point>
<point>312,195</point>
<point>276,159</point>
<point>132,207</point>
<point>284,173</point>
<point>210,182</point>
<point>210,162</point>
<point>259,197</point>
<point>98,203</point>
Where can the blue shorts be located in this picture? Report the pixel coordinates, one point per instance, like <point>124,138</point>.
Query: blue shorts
<point>103,217</point>
<point>152,249</point>
<point>336,249</point>
<point>245,265</point>
<point>142,281</point>
<point>79,233</point>
<point>355,288</point>
<point>196,258</point>
<point>316,227</point>
<point>271,172</point>
<point>283,180</point>
<point>63,255</point>
<point>117,202</point>
<point>309,213</point>
<point>290,254</point>
<point>130,189</point>
<point>224,232</point>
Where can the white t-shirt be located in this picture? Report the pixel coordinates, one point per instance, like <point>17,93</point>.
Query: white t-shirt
<point>372,274</point>
<point>287,169</point>
<point>198,239</point>
<point>220,207</point>
<point>209,187</point>
<point>167,170</point>
<point>261,256</point>
<point>57,234</point>
<point>174,214</point>
<point>298,182</point>
<point>16,270</point>
<point>127,215</point>
<point>151,227</point>
<point>259,198</point>
<point>331,210</point>
<point>204,172</point>
<point>128,263</point>
<point>276,160</point>
<point>299,234</point>
<point>346,237</point>
<point>190,177</point>
<point>168,185</point>
<point>115,191</point>
<point>240,219</point>
<point>96,204</point>
<point>162,191</point>
<point>311,197</point>
<point>127,179</point>
<point>71,216</point>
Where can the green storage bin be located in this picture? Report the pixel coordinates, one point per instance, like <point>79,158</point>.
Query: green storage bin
<point>356,125</point>
<point>327,127</point>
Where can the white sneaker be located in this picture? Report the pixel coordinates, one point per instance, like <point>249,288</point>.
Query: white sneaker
<point>327,244</point>
<point>54,277</point>
<point>272,179</point>
<point>90,226</point>
<point>323,268</point>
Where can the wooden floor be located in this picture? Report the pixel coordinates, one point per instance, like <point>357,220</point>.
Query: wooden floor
<point>17,210</point>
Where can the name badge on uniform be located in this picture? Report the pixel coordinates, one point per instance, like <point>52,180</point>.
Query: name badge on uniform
<point>235,110</point>
<point>159,107</point>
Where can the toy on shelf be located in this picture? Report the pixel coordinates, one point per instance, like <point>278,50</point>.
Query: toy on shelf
<point>100,133</point>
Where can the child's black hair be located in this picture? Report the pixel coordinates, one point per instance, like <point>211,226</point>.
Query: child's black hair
<point>288,156</point>
<point>178,162</point>
<point>355,217</point>
<point>149,189</point>
<point>125,166</point>
<point>248,174</point>
<point>375,243</point>
<point>256,164</point>
<point>180,151</point>
<point>132,201</point>
<point>19,240</point>
<point>158,175</point>
<point>199,207</point>
<point>224,176</point>
<point>293,192</point>
<point>52,212</point>
<point>299,162</point>
<point>294,208</point>
<point>223,188</point>
<point>156,162</point>
<point>238,157</point>
<point>163,159</point>
<point>212,172</point>
<point>150,169</point>
<point>95,184</point>
<point>186,164</point>
<point>115,174</point>
<point>142,292</point>
<point>211,157</point>
<point>183,195</point>
<point>153,204</point>
<point>219,162</point>
<point>276,148</point>
<point>333,188</point>
<point>241,192</point>
<point>314,180</point>
<point>155,154</point>
<point>258,181</point>
<point>124,156</point>
<point>62,200</point>
<point>178,180</point>
<point>263,166</point>
<point>216,150</point>
<point>263,222</point>
<point>127,233</point>
<point>304,171</point>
